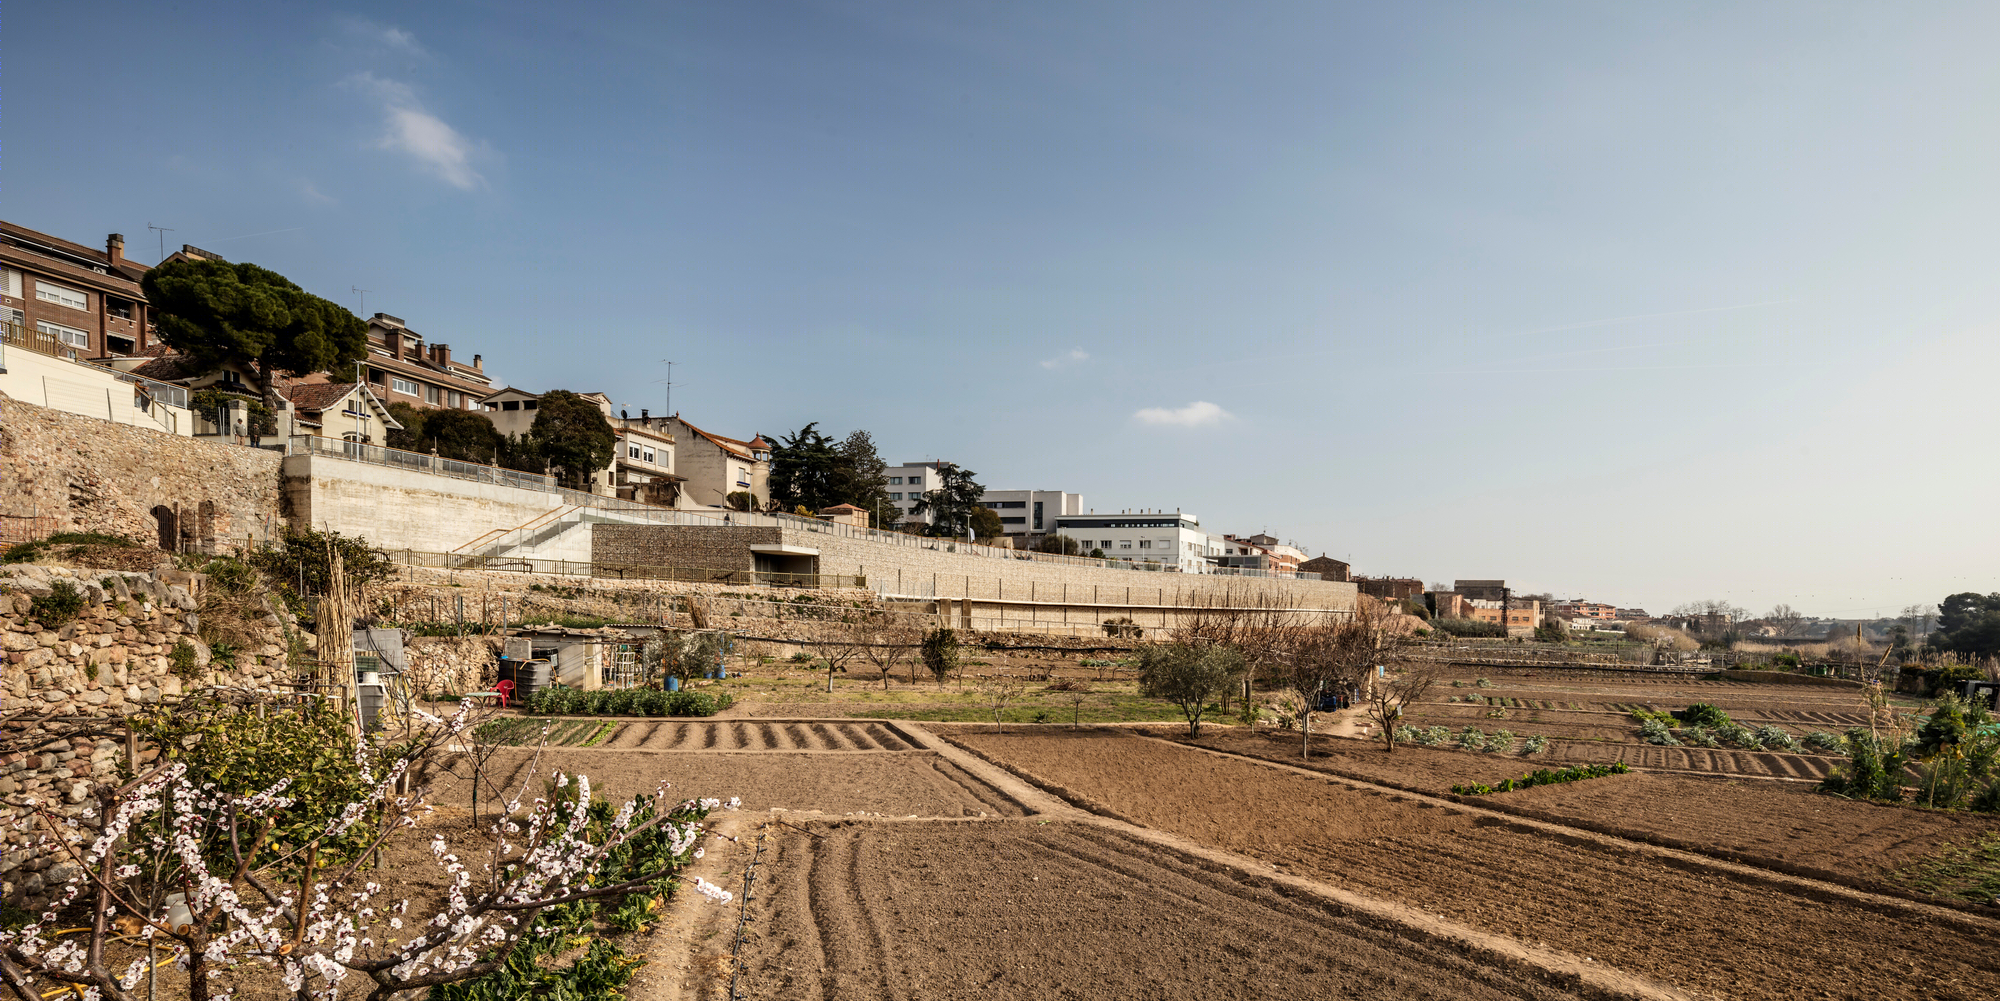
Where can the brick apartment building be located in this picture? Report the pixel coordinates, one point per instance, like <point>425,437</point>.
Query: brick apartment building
<point>66,299</point>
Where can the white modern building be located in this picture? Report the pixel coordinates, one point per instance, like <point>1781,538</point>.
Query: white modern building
<point>1170,538</point>
<point>1028,514</point>
<point>908,483</point>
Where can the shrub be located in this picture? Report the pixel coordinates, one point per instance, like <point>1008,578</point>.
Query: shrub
<point>1535,744</point>
<point>1873,771</point>
<point>1472,738</point>
<point>1543,777</point>
<point>1702,714</point>
<point>1737,735</point>
<point>1471,628</point>
<point>183,661</point>
<point>940,653</point>
<point>1776,739</point>
<point>59,607</point>
<point>1820,740</point>
<point>1500,741</point>
<point>1483,683</point>
<point>1655,732</point>
<point>1698,736</point>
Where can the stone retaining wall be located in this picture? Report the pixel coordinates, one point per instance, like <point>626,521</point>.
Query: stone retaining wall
<point>60,472</point>
<point>110,661</point>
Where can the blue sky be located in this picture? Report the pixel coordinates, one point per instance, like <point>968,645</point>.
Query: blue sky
<point>1646,303</point>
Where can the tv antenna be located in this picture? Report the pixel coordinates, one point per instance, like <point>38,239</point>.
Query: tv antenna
<point>163,231</point>
<point>669,381</point>
<point>364,298</point>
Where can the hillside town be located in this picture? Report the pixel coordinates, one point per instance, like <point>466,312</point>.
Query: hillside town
<point>842,502</point>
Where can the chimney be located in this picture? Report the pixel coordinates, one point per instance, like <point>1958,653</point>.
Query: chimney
<point>393,339</point>
<point>475,364</point>
<point>645,417</point>
<point>114,249</point>
<point>441,353</point>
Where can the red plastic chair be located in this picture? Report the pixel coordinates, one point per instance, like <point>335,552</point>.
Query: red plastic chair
<point>506,689</point>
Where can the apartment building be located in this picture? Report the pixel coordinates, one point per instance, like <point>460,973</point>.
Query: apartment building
<point>642,459</point>
<point>1577,608</point>
<point>1520,617</point>
<point>68,300</point>
<point>908,483</point>
<point>1172,538</point>
<point>403,368</point>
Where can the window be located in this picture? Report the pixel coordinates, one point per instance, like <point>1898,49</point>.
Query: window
<point>1107,544</point>
<point>403,386</point>
<point>529,404</point>
<point>510,404</point>
<point>1127,544</point>
<point>455,398</point>
<point>13,317</point>
<point>742,476</point>
<point>1145,543</point>
<point>1014,521</point>
<point>431,395</point>
<point>898,495</point>
<point>1038,516</point>
<point>120,308</point>
<point>61,296</point>
<point>897,481</point>
<point>67,336</point>
<point>631,451</point>
<point>10,282</point>
<point>648,456</point>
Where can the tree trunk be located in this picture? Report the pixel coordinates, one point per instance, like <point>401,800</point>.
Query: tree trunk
<point>1306,734</point>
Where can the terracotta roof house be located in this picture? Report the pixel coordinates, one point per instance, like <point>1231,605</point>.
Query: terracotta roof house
<point>346,410</point>
<point>845,514</point>
<point>716,466</point>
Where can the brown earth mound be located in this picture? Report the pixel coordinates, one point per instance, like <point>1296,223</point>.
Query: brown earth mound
<point>1686,924</point>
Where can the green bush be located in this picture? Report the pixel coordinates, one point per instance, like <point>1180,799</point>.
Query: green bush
<point>1820,740</point>
<point>1702,714</point>
<point>1873,771</point>
<point>1535,744</point>
<point>1543,777</point>
<point>59,607</point>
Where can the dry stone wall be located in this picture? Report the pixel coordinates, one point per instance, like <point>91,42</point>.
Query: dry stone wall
<point>111,659</point>
<point>60,472</point>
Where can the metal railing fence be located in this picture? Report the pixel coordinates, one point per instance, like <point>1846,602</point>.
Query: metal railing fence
<point>620,571</point>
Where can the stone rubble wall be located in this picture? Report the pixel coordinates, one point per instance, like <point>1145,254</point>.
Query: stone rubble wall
<point>60,472</point>
<point>112,660</point>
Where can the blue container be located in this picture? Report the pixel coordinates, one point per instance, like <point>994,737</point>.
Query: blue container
<point>673,684</point>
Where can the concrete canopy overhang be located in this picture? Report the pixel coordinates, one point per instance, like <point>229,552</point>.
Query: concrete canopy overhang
<point>780,549</point>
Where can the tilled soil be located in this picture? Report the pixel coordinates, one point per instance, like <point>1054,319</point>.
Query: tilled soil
<point>897,784</point>
<point>754,735</point>
<point>1692,926</point>
<point>937,910</point>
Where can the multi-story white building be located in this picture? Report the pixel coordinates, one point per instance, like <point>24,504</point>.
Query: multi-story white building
<point>1172,538</point>
<point>908,483</point>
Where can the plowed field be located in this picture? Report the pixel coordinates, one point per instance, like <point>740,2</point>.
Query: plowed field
<point>940,910</point>
<point>1680,922</point>
<point>755,735</point>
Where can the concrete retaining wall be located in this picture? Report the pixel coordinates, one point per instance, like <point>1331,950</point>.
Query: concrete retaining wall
<point>404,509</point>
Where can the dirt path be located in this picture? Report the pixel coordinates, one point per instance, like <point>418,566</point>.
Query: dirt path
<point>1686,925</point>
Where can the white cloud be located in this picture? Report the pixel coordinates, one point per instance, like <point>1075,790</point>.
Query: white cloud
<point>411,129</point>
<point>1200,413</point>
<point>397,38</point>
<point>1074,356</point>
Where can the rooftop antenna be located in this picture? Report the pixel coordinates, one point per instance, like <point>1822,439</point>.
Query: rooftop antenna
<point>669,380</point>
<point>163,231</point>
<point>364,298</point>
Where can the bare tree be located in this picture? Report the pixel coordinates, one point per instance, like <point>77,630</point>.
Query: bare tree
<point>1786,620</point>
<point>891,640</point>
<point>1000,691</point>
<point>1333,656</point>
<point>833,635</point>
<point>1411,683</point>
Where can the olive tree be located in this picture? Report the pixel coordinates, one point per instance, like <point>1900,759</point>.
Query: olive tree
<point>1188,676</point>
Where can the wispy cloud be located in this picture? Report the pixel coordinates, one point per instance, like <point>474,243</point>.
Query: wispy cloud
<point>1200,413</point>
<point>1074,356</point>
<point>397,38</point>
<point>314,194</point>
<point>412,129</point>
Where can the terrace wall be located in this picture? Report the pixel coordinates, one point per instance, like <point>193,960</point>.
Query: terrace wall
<point>61,472</point>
